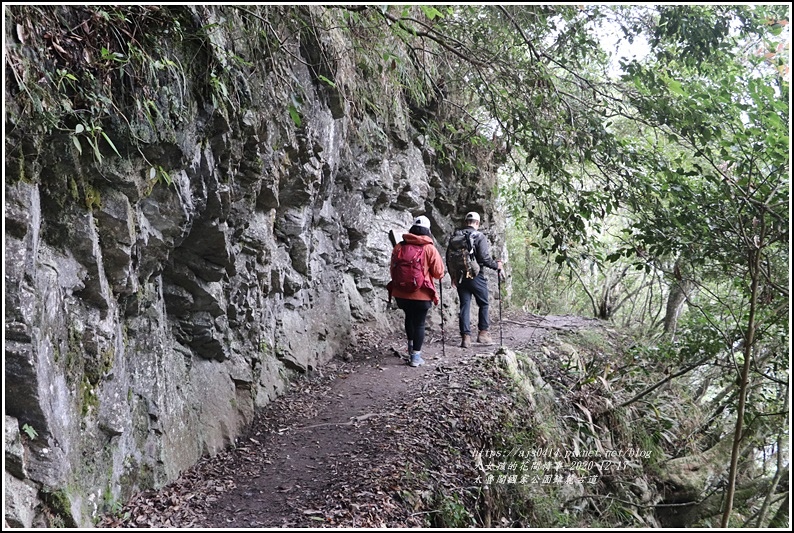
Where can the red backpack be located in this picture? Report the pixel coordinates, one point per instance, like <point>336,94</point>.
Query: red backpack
<point>407,268</point>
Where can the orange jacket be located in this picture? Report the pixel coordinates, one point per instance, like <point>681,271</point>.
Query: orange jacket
<point>433,269</point>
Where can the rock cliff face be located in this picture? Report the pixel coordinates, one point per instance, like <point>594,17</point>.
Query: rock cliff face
<point>159,292</point>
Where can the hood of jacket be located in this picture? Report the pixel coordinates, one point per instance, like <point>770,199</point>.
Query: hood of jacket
<point>410,238</point>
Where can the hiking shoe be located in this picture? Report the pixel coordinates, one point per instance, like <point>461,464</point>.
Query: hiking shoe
<point>483,337</point>
<point>466,341</point>
<point>416,359</point>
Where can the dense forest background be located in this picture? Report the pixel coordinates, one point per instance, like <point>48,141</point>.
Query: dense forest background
<point>659,199</point>
<point>650,190</point>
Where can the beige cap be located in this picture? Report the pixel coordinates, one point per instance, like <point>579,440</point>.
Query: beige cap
<point>471,215</point>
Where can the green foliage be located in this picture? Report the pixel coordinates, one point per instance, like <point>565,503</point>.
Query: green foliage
<point>694,175</point>
<point>92,197</point>
<point>536,281</point>
<point>264,348</point>
<point>430,12</point>
<point>57,508</point>
<point>94,87</point>
<point>390,66</point>
<point>452,513</point>
<point>88,398</point>
<point>117,510</point>
<point>733,123</point>
<point>162,176</point>
<point>81,76</point>
<point>293,112</point>
<point>29,431</point>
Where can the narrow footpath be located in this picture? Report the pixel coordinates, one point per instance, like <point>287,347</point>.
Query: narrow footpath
<point>367,441</point>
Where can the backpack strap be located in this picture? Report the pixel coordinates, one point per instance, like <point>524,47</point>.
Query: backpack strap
<point>471,235</point>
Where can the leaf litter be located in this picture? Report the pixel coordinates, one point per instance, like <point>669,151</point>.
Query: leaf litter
<point>365,442</point>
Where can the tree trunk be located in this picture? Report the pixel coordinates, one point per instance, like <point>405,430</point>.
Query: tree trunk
<point>778,474</point>
<point>682,516</point>
<point>781,518</point>
<point>679,292</point>
<point>754,260</point>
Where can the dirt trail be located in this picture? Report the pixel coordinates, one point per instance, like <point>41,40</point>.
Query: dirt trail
<point>341,448</point>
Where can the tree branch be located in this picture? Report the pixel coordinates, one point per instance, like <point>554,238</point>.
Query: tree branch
<point>659,384</point>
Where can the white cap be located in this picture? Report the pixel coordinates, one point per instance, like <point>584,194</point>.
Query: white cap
<point>422,221</point>
<point>471,215</point>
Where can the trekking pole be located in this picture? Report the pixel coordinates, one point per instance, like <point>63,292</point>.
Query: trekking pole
<point>443,336</point>
<point>499,284</point>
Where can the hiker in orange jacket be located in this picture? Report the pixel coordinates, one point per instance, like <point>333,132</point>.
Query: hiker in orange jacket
<point>417,303</point>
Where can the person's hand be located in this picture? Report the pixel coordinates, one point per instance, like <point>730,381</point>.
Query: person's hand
<point>499,271</point>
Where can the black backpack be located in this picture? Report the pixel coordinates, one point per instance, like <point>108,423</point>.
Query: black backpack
<point>461,259</point>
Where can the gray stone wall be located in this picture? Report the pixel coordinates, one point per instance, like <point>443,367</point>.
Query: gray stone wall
<point>146,324</point>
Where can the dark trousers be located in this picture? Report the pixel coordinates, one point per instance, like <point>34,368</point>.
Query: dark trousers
<point>415,316</point>
<point>477,287</point>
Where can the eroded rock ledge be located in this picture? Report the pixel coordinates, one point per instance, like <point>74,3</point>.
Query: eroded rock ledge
<point>159,292</point>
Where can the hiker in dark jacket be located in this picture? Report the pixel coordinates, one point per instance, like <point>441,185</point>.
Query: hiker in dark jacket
<point>416,304</point>
<point>476,287</point>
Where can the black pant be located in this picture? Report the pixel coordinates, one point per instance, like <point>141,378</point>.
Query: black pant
<point>477,287</point>
<point>415,316</point>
